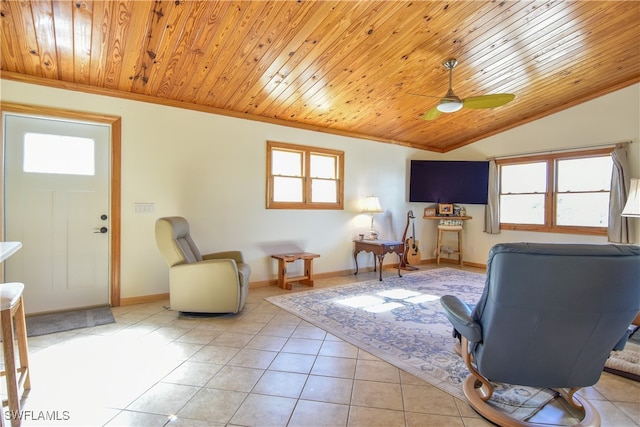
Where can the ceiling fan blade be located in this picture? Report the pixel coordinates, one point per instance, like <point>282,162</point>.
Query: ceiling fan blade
<point>488,101</point>
<point>432,114</point>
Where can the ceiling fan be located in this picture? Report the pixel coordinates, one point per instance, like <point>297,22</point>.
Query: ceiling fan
<point>451,103</point>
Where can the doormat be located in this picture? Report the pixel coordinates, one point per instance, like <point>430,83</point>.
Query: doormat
<point>43,324</point>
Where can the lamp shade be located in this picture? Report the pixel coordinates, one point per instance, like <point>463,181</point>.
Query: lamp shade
<point>372,205</point>
<point>632,208</point>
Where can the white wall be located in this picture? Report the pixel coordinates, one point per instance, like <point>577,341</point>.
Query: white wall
<point>211,169</point>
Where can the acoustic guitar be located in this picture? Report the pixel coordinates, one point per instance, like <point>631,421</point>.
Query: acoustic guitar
<point>412,251</point>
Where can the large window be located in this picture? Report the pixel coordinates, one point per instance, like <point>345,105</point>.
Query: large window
<point>301,177</point>
<point>560,192</point>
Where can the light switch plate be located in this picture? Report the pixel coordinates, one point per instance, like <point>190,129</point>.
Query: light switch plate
<point>144,208</point>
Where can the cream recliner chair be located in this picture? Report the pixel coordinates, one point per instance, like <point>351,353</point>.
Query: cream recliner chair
<point>211,283</point>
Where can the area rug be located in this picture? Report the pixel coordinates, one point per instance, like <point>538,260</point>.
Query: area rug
<point>43,324</point>
<point>400,320</point>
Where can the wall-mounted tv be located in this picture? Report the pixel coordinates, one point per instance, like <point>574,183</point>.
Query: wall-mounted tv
<point>441,181</point>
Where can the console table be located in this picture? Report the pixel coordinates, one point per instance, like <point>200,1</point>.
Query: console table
<point>284,281</point>
<point>379,248</point>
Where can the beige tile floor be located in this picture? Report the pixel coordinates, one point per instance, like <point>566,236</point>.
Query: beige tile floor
<point>263,367</point>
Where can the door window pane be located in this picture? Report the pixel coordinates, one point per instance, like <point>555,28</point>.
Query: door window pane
<point>58,154</point>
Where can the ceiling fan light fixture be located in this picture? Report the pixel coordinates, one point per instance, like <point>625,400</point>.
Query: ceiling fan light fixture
<point>449,105</point>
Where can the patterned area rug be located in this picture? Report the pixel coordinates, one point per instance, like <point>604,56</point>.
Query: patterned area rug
<point>42,324</point>
<point>401,321</point>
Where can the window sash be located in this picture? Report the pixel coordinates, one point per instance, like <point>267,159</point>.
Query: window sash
<point>288,189</point>
<point>324,166</point>
<point>288,169</point>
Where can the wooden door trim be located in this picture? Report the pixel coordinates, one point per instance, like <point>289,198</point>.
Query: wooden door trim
<point>115,122</point>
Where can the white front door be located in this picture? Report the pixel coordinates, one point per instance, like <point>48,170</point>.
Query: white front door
<point>56,202</point>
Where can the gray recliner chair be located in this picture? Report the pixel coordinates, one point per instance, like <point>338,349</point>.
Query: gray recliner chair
<point>549,316</point>
<point>211,283</point>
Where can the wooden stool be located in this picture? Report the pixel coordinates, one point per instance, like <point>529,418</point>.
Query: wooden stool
<point>449,228</point>
<point>284,281</point>
<point>11,307</point>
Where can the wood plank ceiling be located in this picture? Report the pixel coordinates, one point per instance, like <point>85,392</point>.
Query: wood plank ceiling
<point>349,67</point>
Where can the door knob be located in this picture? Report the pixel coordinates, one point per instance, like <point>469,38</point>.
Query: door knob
<point>102,230</point>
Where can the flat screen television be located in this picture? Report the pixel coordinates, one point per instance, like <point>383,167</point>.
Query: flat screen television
<point>441,181</point>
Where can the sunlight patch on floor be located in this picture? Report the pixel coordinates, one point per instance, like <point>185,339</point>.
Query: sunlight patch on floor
<point>374,304</point>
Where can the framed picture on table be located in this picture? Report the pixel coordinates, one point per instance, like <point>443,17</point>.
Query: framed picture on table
<point>429,212</point>
<point>445,209</point>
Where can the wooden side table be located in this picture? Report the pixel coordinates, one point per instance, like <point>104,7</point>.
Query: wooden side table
<point>446,226</point>
<point>284,281</point>
<point>455,251</point>
<point>379,248</point>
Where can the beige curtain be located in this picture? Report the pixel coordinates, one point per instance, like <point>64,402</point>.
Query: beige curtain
<point>492,209</point>
<point>618,231</point>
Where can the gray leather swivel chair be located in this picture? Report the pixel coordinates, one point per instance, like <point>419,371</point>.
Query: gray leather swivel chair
<point>549,316</point>
<point>211,283</point>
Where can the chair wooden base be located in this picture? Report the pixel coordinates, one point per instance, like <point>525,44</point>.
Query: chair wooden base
<point>478,390</point>
<point>475,393</point>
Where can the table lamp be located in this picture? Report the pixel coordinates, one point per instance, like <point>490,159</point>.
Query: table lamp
<point>372,206</point>
<point>632,208</point>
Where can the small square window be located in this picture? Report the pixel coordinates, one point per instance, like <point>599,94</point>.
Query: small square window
<point>58,154</point>
<point>301,177</point>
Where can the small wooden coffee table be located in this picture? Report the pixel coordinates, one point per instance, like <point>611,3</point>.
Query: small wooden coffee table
<point>284,281</point>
